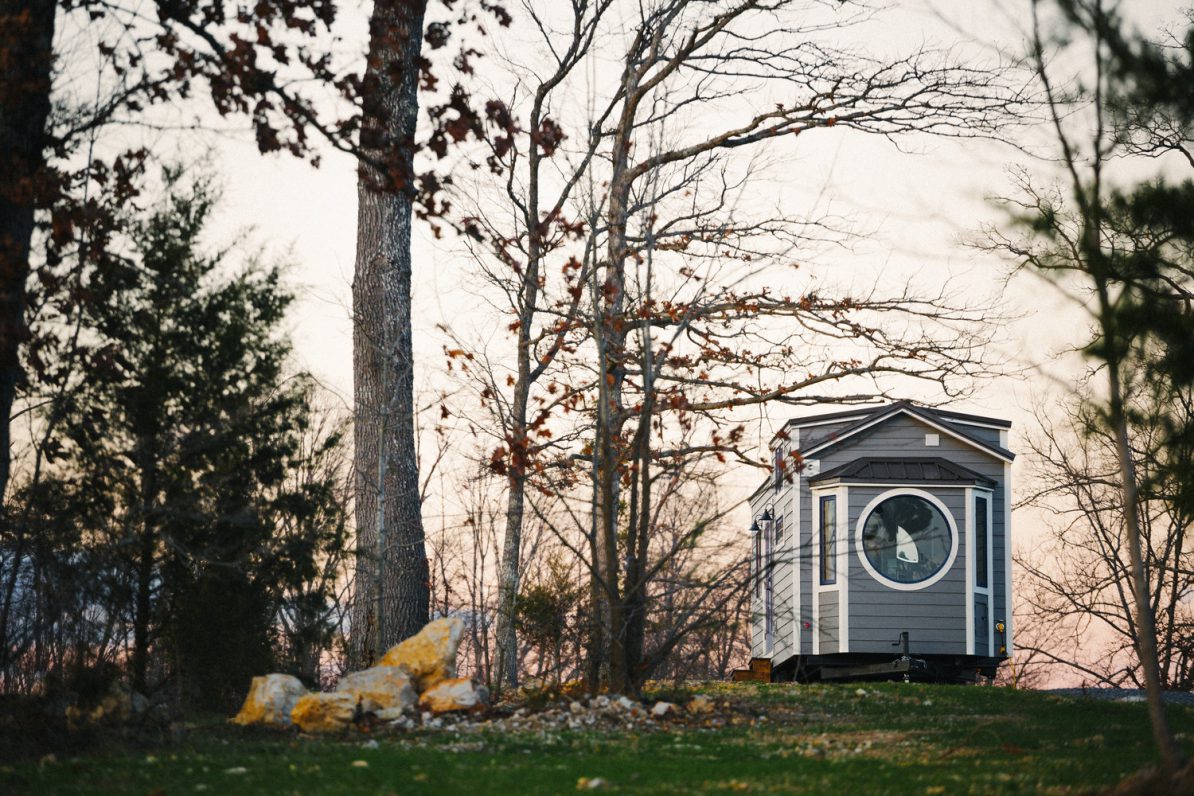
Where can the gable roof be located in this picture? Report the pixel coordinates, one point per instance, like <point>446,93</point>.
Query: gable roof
<point>931,417</point>
<point>915,470</point>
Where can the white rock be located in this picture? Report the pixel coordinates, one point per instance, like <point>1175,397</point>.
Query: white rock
<point>271,699</point>
<point>661,709</point>
<point>429,656</point>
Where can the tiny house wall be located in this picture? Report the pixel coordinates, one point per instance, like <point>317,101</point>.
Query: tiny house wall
<point>868,614</point>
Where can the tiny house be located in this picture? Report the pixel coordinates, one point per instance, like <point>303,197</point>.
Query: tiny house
<point>881,546</point>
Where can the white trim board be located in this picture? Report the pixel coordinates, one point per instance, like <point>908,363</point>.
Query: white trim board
<point>971,563</point>
<point>797,561</point>
<point>1007,557</point>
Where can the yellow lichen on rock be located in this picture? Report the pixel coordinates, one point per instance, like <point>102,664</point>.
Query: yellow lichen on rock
<point>456,694</point>
<point>270,700</point>
<point>429,656</point>
<point>379,688</point>
<point>324,712</point>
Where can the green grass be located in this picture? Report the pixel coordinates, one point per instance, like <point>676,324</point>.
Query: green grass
<point>816,739</point>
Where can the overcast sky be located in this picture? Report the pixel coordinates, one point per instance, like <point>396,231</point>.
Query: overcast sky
<point>919,204</point>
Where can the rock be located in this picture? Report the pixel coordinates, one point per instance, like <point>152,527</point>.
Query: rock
<point>661,709</point>
<point>700,704</point>
<point>457,694</point>
<point>270,700</point>
<point>594,783</point>
<point>379,688</point>
<point>576,708</point>
<point>626,703</point>
<point>429,656</point>
<point>324,712</point>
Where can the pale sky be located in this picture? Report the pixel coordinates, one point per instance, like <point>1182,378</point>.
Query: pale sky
<point>920,205</point>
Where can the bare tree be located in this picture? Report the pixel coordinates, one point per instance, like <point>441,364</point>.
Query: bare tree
<point>1124,259</point>
<point>677,322</point>
<point>1079,581</point>
<point>638,292</point>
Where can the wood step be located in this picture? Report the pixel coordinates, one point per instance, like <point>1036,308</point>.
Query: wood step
<point>761,665</point>
<point>747,676</point>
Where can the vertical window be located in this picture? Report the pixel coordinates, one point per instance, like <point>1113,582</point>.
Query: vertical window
<point>981,565</point>
<point>828,539</point>
<point>758,565</point>
<point>779,531</point>
<point>779,468</point>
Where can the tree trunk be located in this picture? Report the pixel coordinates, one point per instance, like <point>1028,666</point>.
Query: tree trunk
<point>1146,626</point>
<point>392,576</point>
<point>146,554</point>
<point>27,53</point>
<point>509,574</point>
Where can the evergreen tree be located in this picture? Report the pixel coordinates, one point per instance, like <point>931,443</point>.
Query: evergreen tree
<point>187,454</point>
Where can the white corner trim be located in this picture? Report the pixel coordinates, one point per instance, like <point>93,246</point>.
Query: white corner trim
<point>971,565</point>
<point>843,569</point>
<point>990,560</point>
<point>1007,556</point>
<point>949,520</point>
<point>795,533</point>
<point>814,528</point>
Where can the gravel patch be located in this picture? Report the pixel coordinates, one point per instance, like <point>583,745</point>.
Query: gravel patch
<point>1123,694</point>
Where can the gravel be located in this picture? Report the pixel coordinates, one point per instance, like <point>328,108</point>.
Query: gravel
<point>1123,694</point>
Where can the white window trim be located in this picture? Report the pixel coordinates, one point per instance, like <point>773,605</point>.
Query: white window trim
<point>970,572</point>
<point>990,573</point>
<point>1007,559</point>
<point>949,520</point>
<point>841,574</point>
<point>795,533</point>
<point>972,587</point>
<point>843,567</point>
<point>989,495</point>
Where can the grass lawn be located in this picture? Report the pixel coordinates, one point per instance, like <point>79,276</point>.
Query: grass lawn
<point>896,738</point>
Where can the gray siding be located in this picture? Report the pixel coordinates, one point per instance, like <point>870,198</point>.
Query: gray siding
<point>785,509</point>
<point>829,627</point>
<point>808,535</point>
<point>935,617</point>
<point>981,627</point>
<point>987,435</point>
<point>814,435</point>
<point>783,556</point>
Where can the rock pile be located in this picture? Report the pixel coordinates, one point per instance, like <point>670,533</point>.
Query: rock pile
<point>603,713</point>
<point>420,670</point>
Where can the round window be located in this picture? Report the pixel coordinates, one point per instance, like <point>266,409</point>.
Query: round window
<point>906,539</point>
